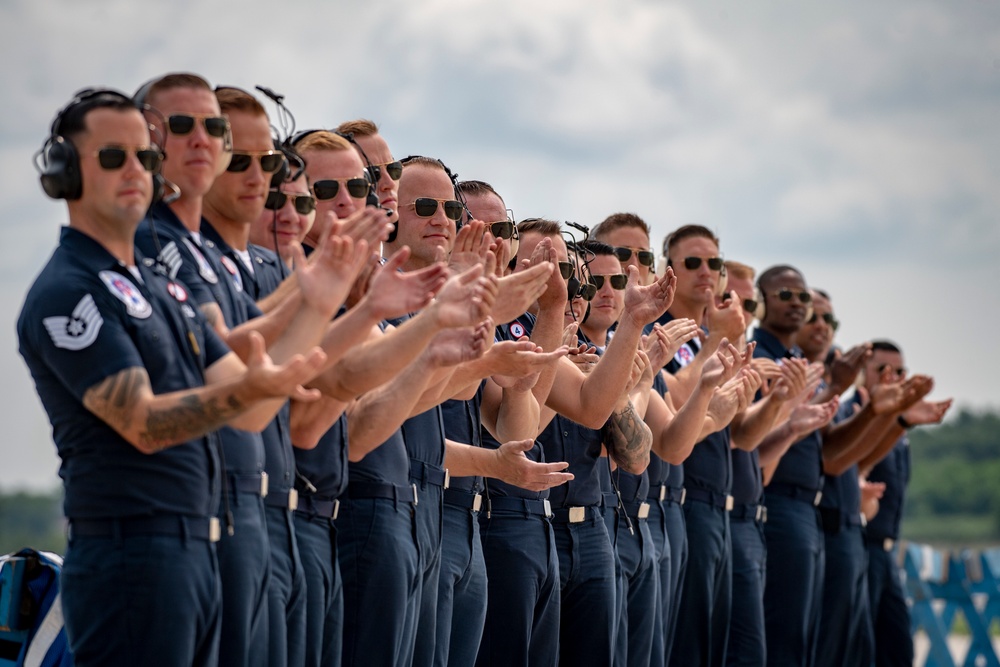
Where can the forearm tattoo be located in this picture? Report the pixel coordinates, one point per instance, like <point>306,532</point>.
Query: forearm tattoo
<point>115,400</point>
<point>627,437</point>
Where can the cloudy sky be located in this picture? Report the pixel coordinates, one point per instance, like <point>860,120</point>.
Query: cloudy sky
<point>856,140</point>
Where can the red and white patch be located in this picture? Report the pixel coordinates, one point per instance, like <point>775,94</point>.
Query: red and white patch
<point>234,271</point>
<point>517,330</point>
<point>177,292</point>
<point>684,355</point>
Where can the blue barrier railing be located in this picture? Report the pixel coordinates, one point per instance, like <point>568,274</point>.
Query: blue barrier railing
<point>940,584</point>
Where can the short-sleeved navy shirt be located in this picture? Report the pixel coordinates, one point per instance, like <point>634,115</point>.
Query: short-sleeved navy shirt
<point>658,470</point>
<point>88,317</point>
<point>894,472</point>
<point>802,464</point>
<point>463,423</point>
<point>841,492</point>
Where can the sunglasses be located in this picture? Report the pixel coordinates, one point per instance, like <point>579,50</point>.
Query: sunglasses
<point>828,318</point>
<point>787,294</point>
<point>565,270</point>
<point>425,207</point>
<point>900,372</point>
<point>749,305</point>
<point>587,291</point>
<point>113,157</point>
<point>692,263</point>
<point>270,161</point>
<point>394,169</point>
<point>618,281</point>
<point>304,204</point>
<point>504,229</point>
<point>645,257</point>
<point>328,188</point>
<point>181,124</point>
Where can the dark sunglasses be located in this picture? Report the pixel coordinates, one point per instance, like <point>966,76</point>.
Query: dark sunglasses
<point>304,204</point>
<point>270,161</point>
<point>749,305</point>
<point>645,256</point>
<point>692,263</point>
<point>113,157</point>
<point>504,229</point>
<point>565,270</point>
<point>328,188</point>
<point>618,281</point>
<point>587,291</point>
<point>828,318</point>
<point>181,124</point>
<point>900,372</point>
<point>425,207</point>
<point>394,169</point>
<point>787,294</point>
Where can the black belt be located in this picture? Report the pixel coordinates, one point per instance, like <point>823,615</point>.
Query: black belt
<point>255,483</point>
<point>312,506</point>
<point>667,494</point>
<point>638,509</point>
<point>286,500</point>
<point>177,525</point>
<point>466,500</point>
<point>429,473</point>
<point>524,506</point>
<point>748,512</point>
<point>795,492</point>
<point>384,490</point>
<point>722,501</point>
<point>835,521</point>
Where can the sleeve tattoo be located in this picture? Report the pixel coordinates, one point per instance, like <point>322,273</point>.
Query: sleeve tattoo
<point>627,437</point>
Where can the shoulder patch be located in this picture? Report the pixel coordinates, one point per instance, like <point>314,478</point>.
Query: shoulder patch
<point>127,293</point>
<point>234,271</point>
<point>684,356</point>
<point>170,259</point>
<point>78,330</point>
<point>177,291</point>
<point>516,329</point>
<point>204,268</point>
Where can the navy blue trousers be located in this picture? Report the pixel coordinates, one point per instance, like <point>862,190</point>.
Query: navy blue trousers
<point>147,600</point>
<point>245,568</point>
<point>376,541</point>
<point>428,525</point>
<point>674,522</point>
<point>889,613</point>
<point>324,622</point>
<point>286,594</point>
<point>794,591</point>
<point>636,554</point>
<point>746,645</point>
<point>522,613</point>
<point>845,636</point>
<point>461,598</point>
<point>706,596</point>
<point>587,579</point>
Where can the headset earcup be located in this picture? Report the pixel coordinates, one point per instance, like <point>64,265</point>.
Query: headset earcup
<point>227,151</point>
<point>761,310</point>
<point>392,234</point>
<point>60,176</point>
<point>809,312</point>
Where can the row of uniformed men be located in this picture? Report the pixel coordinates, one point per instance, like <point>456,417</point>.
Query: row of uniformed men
<point>387,560</point>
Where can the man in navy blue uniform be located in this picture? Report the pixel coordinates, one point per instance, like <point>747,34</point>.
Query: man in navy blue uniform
<point>134,380</point>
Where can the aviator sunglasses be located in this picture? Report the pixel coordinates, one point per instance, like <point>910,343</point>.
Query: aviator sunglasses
<point>328,188</point>
<point>692,263</point>
<point>181,124</point>
<point>113,157</point>
<point>645,257</point>
<point>749,305</point>
<point>394,169</point>
<point>618,281</point>
<point>827,317</point>
<point>425,207</point>
<point>270,161</point>
<point>786,294</point>
<point>304,204</point>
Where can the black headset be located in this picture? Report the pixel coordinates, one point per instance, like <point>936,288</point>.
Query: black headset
<point>58,162</point>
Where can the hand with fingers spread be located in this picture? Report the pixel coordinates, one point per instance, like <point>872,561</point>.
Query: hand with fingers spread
<point>522,367</point>
<point>721,366</point>
<point>845,367</point>
<point>926,412</point>
<point>472,245</point>
<point>726,320</point>
<point>583,355</point>
<point>809,417</point>
<point>519,290</point>
<point>889,397</point>
<point>645,303</point>
<point>675,333</point>
<point>642,372</point>
<point>262,379</point>
<point>517,469</point>
<point>459,345</point>
<point>326,279</point>
<point>395,293</point>
<point>725,402</point>
<point>793,379</point>
<point>368,224</point>
<point>465,299</point>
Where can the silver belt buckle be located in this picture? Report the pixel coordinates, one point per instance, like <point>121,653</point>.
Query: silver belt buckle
<point>293,499</point>
<point>759,513</point>
<point>643,510</point>
<point>214,529</point>
<point>888,543</point>
<point>447,479</point>
<point>663,492</point>
<point>477,502</point>
<point>684,495</point>
<point>819,497</point>
<point>263,485</point>
<point>336,509</point>
<point>577,514</point>
<point>416,501</point>
<point>729,503</point>
<point>547,507</point>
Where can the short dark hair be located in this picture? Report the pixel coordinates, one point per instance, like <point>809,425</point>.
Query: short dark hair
<point>542,226</point>
<point>477,188</point>
<point>617,221</point>
<point>687,232</point>
<point>236,99</point>
<point>885,346</point>
<point>150,89</point>
<point>361,127</point>
<point>596,247</point>
<point>72,120</point>
<point>770,274</point>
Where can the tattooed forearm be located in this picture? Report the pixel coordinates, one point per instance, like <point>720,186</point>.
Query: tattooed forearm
<point>627,439</point>
<point>113,400</point>
<point>190,418</point>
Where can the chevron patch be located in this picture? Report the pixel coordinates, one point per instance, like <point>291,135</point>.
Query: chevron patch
<point>78,330</point>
